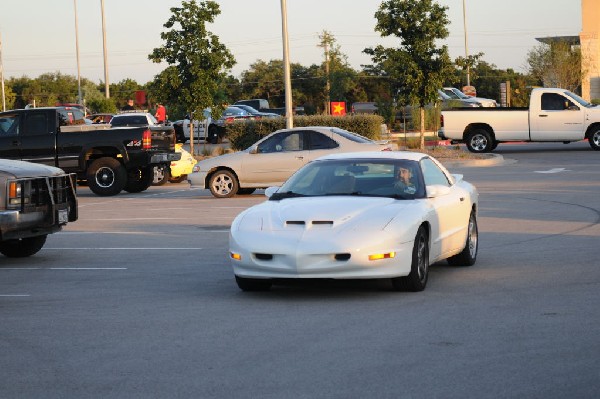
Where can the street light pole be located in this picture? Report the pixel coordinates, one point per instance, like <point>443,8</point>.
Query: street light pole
<point>106,87</point>
<point>2,76</point>
<point>286,67</point>
<point>466,45</point>
<point>79,99</point>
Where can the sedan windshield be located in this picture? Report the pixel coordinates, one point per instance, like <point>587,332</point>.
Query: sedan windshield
<point>400,179</point>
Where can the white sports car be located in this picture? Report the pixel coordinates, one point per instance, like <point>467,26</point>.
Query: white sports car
<point>358,216</point>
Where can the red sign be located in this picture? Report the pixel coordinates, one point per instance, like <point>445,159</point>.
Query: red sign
<point>338,108</point>
<point>469,91</point>
<point>140,97</point>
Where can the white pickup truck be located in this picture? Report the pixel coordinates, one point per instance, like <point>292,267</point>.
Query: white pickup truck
<point>553,115</point>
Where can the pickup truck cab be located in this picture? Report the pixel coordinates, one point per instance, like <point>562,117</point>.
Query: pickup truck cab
<point>554,115</point>
<point>108,159</point>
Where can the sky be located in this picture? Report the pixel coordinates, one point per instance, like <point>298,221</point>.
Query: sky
<point>38,36</point>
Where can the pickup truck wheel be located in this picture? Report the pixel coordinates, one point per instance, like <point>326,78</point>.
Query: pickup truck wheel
<point>106,176</point>
<point>139,179</point>
<point>594,139</point>
<point>22,247</point>
<point>160,175</point>
<point>223,184</point>
<point>479,140</point>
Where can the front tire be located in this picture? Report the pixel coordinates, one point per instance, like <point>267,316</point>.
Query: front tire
<point>594,138</point>
<point>480,141</point>
<point>253,284</point>
<point>223,184</point>
<point>106,176</point>
<point>23,247</point>
<point>419,269</point>
<point>468,255</point>
<point>139,179</point>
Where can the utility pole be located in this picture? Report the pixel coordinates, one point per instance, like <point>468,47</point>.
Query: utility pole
<point>106,87</point>
<point>466,45</point>
<point>79,98</point>
<point>325,42</point>
<point>286,67</point>
<point>2,76</point>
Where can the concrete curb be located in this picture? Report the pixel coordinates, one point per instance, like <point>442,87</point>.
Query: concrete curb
<point>490,160</point>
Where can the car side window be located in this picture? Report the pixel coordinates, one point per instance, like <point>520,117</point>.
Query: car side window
<point>282,142</point>
<point>319,141</point>
<point>36,124</point>
<point>555,102</point>
<point>9,125</point>
<point>432,174</point>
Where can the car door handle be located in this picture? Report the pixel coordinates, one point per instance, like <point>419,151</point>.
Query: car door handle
<point>543,116</point>
<point>462,199</point>
<point>298,157</point>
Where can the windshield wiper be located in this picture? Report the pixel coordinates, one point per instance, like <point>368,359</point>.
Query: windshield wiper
<point>286,194</point>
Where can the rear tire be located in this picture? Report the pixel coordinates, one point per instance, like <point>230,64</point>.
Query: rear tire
<point>419,269</point>
<point>23,247</point>
<point>106,176</point>
<point>253,284</point>
<point>479,141</point>
<point>139,179</point>
<point>468,255</point>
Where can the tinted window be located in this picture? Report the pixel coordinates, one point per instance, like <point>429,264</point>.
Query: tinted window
<point>36,123</point>
<point>555,102</point>
<point>282,142</point>
<point>432,174</point>
<point>319,141</point>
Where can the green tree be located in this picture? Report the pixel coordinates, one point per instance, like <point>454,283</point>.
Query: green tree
<point>417,68</point>
<point>556,65</point>
<point>198,61</point>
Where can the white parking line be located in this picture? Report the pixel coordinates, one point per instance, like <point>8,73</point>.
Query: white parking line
<point>63,268</point>
<point>11,295</point>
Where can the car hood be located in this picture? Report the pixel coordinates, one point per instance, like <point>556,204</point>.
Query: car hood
<point>334,214</point>
<point>19,169</point>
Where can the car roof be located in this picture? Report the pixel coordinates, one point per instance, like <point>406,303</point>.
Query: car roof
<point>392,155</point>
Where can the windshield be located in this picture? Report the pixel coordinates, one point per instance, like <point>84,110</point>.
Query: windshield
<point>578,99</point>
<point>393,178</point>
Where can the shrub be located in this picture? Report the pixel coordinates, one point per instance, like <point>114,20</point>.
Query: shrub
<point>242,134</point>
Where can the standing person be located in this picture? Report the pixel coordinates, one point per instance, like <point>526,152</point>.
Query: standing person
<point>129,106</point>
<point>161,113</point>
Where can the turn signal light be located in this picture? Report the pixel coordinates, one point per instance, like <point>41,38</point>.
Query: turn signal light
<point>235,256</point>
<point>382,256</point>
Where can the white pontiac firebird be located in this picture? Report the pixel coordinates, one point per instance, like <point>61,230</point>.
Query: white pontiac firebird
<point>358,216</point>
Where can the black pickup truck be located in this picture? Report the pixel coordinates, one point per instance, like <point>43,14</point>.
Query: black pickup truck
<point>109,159</point>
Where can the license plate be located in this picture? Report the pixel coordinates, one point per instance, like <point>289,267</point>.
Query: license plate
<point>63,216</point>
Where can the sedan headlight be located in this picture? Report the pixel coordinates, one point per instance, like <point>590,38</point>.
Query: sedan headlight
<point>196,168</point>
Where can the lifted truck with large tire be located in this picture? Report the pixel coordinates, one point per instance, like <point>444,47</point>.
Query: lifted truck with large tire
<point>108,159</point>
<point>35,200</point>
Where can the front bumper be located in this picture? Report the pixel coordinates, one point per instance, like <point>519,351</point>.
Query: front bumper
<point>197,179</point>
<point>16,224</point>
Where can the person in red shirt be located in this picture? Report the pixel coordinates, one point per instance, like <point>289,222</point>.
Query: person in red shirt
<point>161,113</point>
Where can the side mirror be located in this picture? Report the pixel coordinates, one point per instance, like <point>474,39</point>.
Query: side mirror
<point>253,150</point>
<point>437,190</point>
<point>271,190</point>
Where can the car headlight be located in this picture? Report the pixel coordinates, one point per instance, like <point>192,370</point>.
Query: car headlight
<point>196,168</point>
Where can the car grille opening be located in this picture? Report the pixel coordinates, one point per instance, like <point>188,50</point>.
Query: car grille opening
<point>330,222</point>
<point>342,257</point>
<point>263,256</point>
<point>297,222</point>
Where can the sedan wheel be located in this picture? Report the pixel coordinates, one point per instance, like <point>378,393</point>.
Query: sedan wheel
<point>468,255</point>
<point>419,269</point>
<point>223,184</point>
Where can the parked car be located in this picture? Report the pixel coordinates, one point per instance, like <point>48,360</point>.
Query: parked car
<point>177,171</point>
<point>134,119</point>
<point>100,118</point>
<point>453,92</point>
<point>274,158</point>
<point>257,114</point>
<point>35,200</point>
<point>358,216</point>
<point>448,102</point>
<point>216,128</point>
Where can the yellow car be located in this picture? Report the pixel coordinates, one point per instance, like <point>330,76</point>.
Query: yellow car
<point>178,170</point>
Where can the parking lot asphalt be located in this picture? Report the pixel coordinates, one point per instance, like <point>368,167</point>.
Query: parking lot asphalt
<point>137,300</point>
